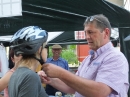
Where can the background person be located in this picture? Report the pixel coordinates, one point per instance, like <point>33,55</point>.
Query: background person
<point>15,59</point>
<point>57,60</point>
<point>103,73</point>
<point>5,79</point>
<point>29,42</point>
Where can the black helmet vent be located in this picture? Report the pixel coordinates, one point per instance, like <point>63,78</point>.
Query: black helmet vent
<point>28,47</point>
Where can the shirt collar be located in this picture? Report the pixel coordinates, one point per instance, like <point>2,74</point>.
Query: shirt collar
<point>55,60</point>
<point>101,50</point>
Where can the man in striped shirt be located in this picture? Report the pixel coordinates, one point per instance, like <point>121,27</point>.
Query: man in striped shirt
<point>103,73</point>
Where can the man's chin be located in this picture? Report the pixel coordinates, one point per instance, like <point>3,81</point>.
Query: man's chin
<point>91,47</point>
<point>56,55</point>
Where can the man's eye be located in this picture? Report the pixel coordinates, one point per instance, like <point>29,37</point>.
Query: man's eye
<point>90,32</point>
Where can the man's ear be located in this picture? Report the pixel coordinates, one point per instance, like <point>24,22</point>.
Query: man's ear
<point>107,33</point>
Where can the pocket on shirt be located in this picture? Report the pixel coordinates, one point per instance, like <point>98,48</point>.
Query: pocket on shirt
<point>91,72</point>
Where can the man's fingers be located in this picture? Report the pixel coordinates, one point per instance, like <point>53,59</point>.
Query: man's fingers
<point>44,66</point>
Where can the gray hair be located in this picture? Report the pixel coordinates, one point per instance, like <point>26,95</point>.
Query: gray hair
<point>100,21</point>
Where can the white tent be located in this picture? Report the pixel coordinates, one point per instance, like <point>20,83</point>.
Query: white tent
<point>51,36</point>
<point>3,61</point>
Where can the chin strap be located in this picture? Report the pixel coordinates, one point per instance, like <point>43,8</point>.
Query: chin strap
<point>40,60</point>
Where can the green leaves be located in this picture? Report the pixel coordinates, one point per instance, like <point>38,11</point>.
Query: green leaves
<point>68,53</point>
<point>70,56</point>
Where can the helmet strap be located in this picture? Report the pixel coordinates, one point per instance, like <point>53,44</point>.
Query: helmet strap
<point>40,60</point>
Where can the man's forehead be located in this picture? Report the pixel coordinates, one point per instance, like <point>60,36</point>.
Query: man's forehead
<point>89,26</point>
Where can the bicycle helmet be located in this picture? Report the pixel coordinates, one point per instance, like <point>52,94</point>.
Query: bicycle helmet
<point>27,40</point>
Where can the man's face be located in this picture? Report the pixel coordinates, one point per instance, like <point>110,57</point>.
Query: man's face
<point>56,52</point>
<point>94,36</point>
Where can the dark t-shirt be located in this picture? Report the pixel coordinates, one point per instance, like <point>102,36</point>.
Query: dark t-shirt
<point>25,83</point>
<point>50,90</point>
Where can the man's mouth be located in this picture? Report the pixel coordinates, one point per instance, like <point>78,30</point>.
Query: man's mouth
<point>56,53</point>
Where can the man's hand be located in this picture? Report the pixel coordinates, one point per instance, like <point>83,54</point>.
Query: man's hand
<point>1,96</point>
<point>52,70</point>
<point>44,78</point>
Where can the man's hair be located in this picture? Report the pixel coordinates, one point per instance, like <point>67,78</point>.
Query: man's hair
<point>100,21</point>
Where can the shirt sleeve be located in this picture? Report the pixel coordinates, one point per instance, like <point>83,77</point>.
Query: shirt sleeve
<point>114,72</point>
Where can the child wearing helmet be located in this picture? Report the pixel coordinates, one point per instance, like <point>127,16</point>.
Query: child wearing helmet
<point>29,42</point>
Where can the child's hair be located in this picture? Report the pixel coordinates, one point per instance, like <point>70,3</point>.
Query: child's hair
<point>11,55</point>
<point>28,60</point>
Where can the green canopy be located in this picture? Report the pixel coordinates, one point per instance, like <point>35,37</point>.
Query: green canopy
<point>63,15</point>
<point>67,15</point>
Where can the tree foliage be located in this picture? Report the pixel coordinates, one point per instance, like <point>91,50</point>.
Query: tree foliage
<point>68,54</point>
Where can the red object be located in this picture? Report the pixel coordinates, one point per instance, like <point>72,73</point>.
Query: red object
<point>82,52</point>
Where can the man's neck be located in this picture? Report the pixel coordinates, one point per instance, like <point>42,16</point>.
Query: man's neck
<point>55,58</point>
